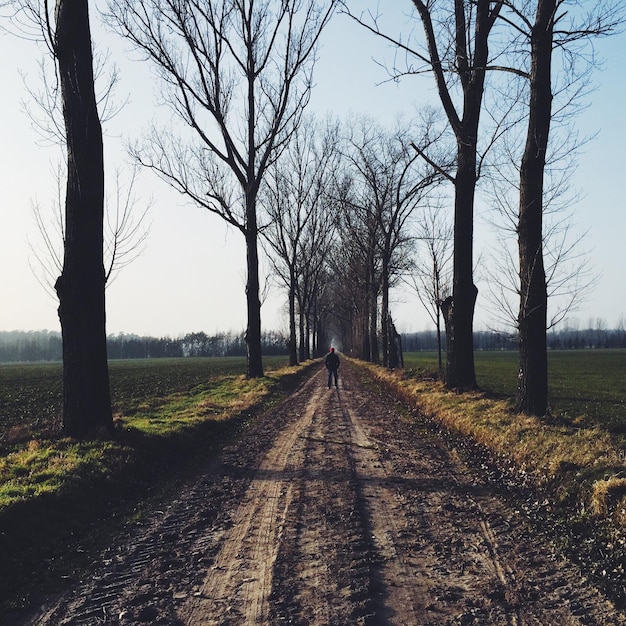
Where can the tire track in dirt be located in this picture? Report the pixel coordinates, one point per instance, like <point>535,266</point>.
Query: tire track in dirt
<point>162,560</point>
<point>238,584</point>
<point>323,572</point>
<point>401,587</point>
<point>411,590</point>
<point>336,509</point>
<point>468,553</point>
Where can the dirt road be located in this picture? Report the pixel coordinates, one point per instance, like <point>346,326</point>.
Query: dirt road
<point>335,509</point>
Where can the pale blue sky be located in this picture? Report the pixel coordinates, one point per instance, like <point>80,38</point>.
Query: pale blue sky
<point>191,275</point>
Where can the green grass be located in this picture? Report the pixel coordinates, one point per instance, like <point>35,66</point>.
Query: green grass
<point>56,491</point>
<point>31,394</point>
<point>585,386</point>
<point>52,466</point>
<point>590,385</point>
<point>153,401</point>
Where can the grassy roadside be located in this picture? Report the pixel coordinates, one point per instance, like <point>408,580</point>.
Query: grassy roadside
<point>576,467</point>
<point>587,463</point>
<point>61,499</point>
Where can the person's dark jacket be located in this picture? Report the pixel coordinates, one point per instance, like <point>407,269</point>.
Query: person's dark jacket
<point>332,361</point>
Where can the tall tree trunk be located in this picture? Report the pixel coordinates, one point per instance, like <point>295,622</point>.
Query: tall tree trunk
<point>384,311</point>
<point>86,392</point>
<point>308,337</point>
<point>318,337</point>
<point>532,388</point>
<point>439,350</point>
<point>254,367</point>
<point>301,330</point>
<point>471,59</point>
<point>460,372</point>
<point>293,343</point>
<point>253,332</point>
<point>373,318</point>
<point>315,326</point>
<point>364,323</point>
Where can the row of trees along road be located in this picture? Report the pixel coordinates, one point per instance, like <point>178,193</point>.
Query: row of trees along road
<point>463,40</point>
<point>244,69</point>
<point>381,184</point>
<point>80,287</point>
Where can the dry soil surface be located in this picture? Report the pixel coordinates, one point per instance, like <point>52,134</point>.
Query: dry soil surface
<point>337,508</point>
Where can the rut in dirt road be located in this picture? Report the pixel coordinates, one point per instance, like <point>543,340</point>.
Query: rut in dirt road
<point>336,509</point>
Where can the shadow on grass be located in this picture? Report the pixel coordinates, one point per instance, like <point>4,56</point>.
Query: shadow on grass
<point>51,540</point>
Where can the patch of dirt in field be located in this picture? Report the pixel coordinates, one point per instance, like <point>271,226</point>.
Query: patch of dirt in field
<point>336,508</point>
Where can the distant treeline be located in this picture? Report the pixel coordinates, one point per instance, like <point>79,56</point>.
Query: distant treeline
<point>566,339</point>
<point>43,345</point>
<point>20,346</point>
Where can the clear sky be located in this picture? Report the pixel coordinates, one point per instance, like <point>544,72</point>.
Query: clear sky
<point>191,274</point>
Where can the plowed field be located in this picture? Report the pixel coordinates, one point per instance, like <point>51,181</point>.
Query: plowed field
<point>336,508</point>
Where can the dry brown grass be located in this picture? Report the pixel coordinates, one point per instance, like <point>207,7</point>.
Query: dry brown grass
<point>608,498</point>
<point>587,460</point>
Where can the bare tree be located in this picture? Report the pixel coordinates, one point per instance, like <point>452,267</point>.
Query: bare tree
<point>389,182</point>
<point>431,276</point>
<point>532,380</point>
<point>80,287</point>
<point>378,164</point>
<point>350,313</point>
<point>464,48</point>
<point>317,247</point>
<point>457,55</point>
<point>322,308</point>
<point>238,74</point>
<point>532,388</point>
<point>563,26</point>
<point>125,231</point>
<point>357,265</point>
<point>67,111</point>
<point>294,198</point>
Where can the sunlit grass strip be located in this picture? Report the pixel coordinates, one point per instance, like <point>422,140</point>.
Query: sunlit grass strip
<point>609,498</point>
<point>217,400</point>
<point>585,386</point>
<point>593,463</point>
<point>48,466</point>
<point>45,467</point>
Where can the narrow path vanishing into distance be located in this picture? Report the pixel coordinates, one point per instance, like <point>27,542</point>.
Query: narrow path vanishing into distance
<point>339,507</point>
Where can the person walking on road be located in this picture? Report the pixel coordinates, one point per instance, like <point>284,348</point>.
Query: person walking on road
<point>332,365</point>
